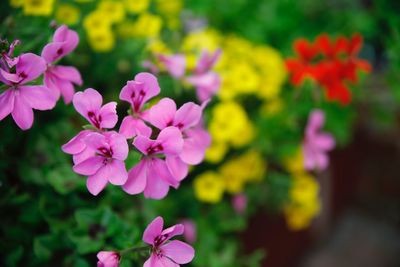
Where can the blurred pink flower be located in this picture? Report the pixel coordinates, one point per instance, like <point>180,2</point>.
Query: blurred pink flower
<point>89,104</point>
<point>239,203</point>
<point>190,233</point>
<point>107,164</point>
<point>19,99</point>
<point>166,252</point>
<point>316,144</point>
<point>151,174</point>
<point>186,118</point>
<point>61,79</point>
<point>175,64</point>
<point>137,93</point>
<point>108,259</point>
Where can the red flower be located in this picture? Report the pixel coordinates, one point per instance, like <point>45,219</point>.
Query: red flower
<point>331,63</point>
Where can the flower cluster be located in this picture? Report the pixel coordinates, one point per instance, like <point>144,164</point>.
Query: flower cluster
<point>331,63</point>
<point>164,252</point>
<point>18,74</point>
<point>168,140</point>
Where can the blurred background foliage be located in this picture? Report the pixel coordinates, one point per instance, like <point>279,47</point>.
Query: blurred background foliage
<point>47,216</point>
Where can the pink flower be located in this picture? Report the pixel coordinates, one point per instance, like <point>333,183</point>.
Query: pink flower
<point>190,233</point>
<point>78,148</point>
<point>166,252</point>
<point>186,118</point>
<point>206,81</point>
<point>239,203</point>
<point>137,93</point>
<point>61,79</point>
<point>151,174</point>
<point>316,144</point>
<point>107,162</point>
<point>19,99</point>
<point>175,64</point>
<point>89,104</point>
<point>108,259</point>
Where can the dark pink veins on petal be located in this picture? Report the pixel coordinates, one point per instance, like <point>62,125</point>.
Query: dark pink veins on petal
<point>95,120</point>
<point>154,149</point>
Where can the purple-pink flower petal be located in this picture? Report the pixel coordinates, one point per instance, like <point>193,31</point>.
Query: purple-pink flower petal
<point>178,251</point>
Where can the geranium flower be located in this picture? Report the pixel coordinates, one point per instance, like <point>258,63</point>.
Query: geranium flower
<point>316,144</point>
<point>108,259</point>
<point>107,165</point>
<point>137,93</point>
<point>165,252</point>
<point>19,99</point>
<point>61,79</point>
<point>174,64</point>
<point>186,118</point>
<point>151,174</point>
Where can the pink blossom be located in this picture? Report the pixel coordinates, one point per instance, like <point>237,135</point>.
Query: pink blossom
<point>190,233</point>
<point>89,104</point>
<point>239,203</point>
<point>166,252</point>
<point>151,174</point>
<point>316,144</point>
<point>78,148</point>
<point>61,79</point>
<point>108,259</point>
<point>137,93</point>
<point>196,138</point>
<point>107,162</point>
<point>175,64</point>
<point>207,82</point>
<point>19,99</point>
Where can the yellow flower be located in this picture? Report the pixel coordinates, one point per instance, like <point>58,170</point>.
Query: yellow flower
<point>170,7</point>
<point>272,107</point>
<point>228,120</point>
<point>295,163</point>
<point>148,25</point>
<point>38,7</point>
<point>216,152</point>
<point>101,41</point>
<point>196,41</point>
<point>16,3</point>
<point>126,29</point>
<point>245,135</point>
<point>254,165</point>
<point>114,10</point>
<point>234,176</point>
<point>84,1</point>
<point>67,14</point>
<point>136,6</point>
<point>97,21</point>
<point>158,46</point>
<point>209,187</point>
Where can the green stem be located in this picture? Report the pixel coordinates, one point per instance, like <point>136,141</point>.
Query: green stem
<point>134,249</point>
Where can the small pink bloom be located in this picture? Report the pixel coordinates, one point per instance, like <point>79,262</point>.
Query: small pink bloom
<point>166,252</point>
<point>150,66</point>
<point>190,233</point>
<point>89,104</point>
<point>137,93</point>
<point>61,79</point>
<point>107,165</point>
<point>207,61</point>
<point>108,259</point>
<point>175,64</point>
<point>239,203</point>
<point>151,174</point>
<point>316,144</point>
<point>19,99</point>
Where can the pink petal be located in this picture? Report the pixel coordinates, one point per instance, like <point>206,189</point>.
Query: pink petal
<point>137,178</point>
<point>64,42</point>
<point>114,171</point>
<point>177,167</point>
<point>175,64</point>
<point>195,144</point>
<point>89,166</point>
<point>130,127</point>
<point>153,230</point>
<point>6,103</point>
<point>166,262</point>
<point>324,141</point>
<point>171,140</point>
<point>187,116</point>
<point>151,84</point>
<point>67,73</point>
<point>159,168</point>
<point>172,231</point>
<point>315,121</point>
<point>152,261</point>
<point>22,113</point>
<point>143,143</point>
<point>38,97</point>
<point>96,183</point>
<point>178,251</point>
<point>206,84</point>
<point>156,187</point>
<point>30,67</point>
<point>162,114</point>
<point>207,60</point>
<point>52,82</point>
<point>133,93</point>
<point>88,100</point>
<point>96,141</point>
<point>84,155</point>
<point>108,114</point>
<point>119,146</point>
<point>67,90</point>
<point>108,259</point>
<point>76,144</point>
